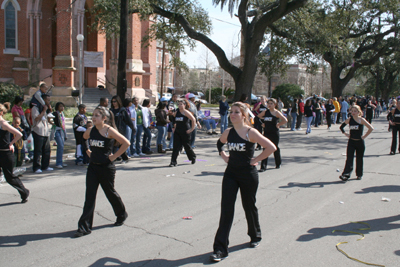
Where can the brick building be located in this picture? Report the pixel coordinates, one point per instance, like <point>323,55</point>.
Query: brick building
<point>38,42</point>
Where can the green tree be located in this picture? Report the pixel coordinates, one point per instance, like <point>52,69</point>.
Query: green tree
<point>182,22</point>
<point>287,92</point>
<point>348,34</point>
<point>8,92</point>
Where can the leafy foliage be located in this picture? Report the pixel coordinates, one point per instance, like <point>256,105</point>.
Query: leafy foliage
<point>216,94</point>
<point>287,92</point>
<point>348,34</point>
<point>8,92</point>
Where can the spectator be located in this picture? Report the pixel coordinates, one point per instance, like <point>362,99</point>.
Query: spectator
<point>161,124</point>
<point>60,134</point>
<point>337,109</point>
<point>193,109</point>
<point>223,112</point>
<point>19,150</point>
<point>294,113</point>
<point>206,120</point>
<point>343,110</point>
<point>79,126</point>
<point>301,113</point>
<point>40,132</point>
<point>104,102</point>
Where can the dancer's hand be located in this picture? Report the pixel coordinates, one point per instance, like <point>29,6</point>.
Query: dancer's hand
<point>253,162</point>
<point>346,134</point>
<point>111,157</point>
<point>89,152</point>
<point>11,148</point>
<point>224,157</point>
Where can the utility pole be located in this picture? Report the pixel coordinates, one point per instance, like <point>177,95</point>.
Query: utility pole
<point>162,69</point>
<point>123,44</point>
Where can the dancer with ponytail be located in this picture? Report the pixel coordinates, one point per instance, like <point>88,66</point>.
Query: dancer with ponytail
<point>101,169</point>
<point>356,142</point>
<point>242,174</point>
<point>270,121</point>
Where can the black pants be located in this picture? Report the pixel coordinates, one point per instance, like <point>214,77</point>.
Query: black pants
<point>96,175</point>
<point>182,139</point>
<point>258,126</point>
<point>368,117</point>
<point>245,179</point>
<point>274,137</point>
<point>329,119</point>
<point>41,149</point>
<point>299,120</point>
<point>357,146</point>
<point>7,165</point>
<point>395,132</point>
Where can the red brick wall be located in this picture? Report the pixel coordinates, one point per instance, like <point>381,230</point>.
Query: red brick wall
<point>46,38</point>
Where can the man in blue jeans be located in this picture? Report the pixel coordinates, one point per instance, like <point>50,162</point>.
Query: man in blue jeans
<point>343,110</point>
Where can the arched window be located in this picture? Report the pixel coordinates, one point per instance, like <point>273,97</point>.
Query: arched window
<point>10,8</point>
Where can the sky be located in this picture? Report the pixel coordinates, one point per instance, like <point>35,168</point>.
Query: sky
<point>225,33</point>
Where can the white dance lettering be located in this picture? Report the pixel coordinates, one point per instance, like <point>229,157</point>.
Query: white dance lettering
<point>236,146</point>
<point>354,127</point>
<point>96,143</point>
<point>397,115</point>
<point>179,119</point>
<point>268,119</point>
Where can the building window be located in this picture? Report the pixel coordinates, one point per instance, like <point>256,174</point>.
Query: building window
<point>158,56</point>
<point>10,26</point>
<point>170,77</point>
<point>157,75</point>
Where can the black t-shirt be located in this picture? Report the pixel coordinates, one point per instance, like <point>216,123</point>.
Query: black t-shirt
<point>100,146</point>
<point>240,151</point>
<point>396,116</point>
<point>369,110</point>
<point>182,122</point>
<point>4,139</point>
<point>270,122</point>
<point>79,120</point>
<point>356,129</point>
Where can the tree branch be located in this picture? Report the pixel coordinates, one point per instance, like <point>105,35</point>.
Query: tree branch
<point>217,51</point>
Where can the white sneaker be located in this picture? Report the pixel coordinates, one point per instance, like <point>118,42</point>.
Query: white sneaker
<point>135,155</point>
<point>38,171</point>
<point>51,116</point>
<point>124,162</point>
<point>49,169</point>
<point>65,165</point>
<point>59,166</point>
<point>142,154</point>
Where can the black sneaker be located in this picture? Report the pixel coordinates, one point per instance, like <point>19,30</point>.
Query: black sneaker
<point>344,178</point>
<point>218,256</point>
<point>193,161</point>
<point>25,199</point>
<point>392,152</point>
<point>172,164</point>
<point>262,170</point>
<point>80,234</point>
<point>120,220</point>
<point>359,177</point>
<point>254,244</point>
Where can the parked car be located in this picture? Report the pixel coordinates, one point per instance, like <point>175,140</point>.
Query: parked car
<point>253,99</point>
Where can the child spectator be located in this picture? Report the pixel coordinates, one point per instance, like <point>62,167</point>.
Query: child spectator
<point>79,126</point>
<point>60,133</point>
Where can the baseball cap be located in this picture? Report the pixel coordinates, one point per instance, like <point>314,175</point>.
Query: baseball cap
<point>191,95</point>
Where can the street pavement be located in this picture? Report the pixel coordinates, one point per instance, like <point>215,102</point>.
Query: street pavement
<point>300,205</point>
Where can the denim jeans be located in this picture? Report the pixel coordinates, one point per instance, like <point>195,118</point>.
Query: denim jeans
<point>59,137</point>
<point>41,149</point>
<point>334,117</point>
<point>162,131</point>
<point>171,141</point>
<point>344,116</point>
<point>128,135</point>
<point>146,140</point>
<point>309,121</point>
<point>224,122</point>
<point>317,118</point>
<point>132,147</point>
<point>139,132</point>
<point>294,117</point>
<point>193,137</point>
<point>208,122</point>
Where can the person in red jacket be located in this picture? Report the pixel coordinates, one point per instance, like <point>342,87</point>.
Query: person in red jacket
<point>301,113</point>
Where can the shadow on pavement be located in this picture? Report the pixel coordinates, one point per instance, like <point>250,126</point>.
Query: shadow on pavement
<point>9,204</point>
<point>311,185</point>
<point>22,240</point>
<point>203,258</point>
<point>210,174</point>
<point>381,224</point>
<point>382,188</point>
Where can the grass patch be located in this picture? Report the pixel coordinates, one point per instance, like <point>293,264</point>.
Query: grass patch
<point>210,105</point>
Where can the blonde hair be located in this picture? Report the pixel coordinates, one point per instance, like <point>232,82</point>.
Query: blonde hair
<point>273,100</point>
<point>3,108</point>
<point>358,109</point>
<point>244,110</point>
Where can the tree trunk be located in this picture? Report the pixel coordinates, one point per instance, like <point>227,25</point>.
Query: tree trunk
<point>338,84</point>
<point>244,82</point>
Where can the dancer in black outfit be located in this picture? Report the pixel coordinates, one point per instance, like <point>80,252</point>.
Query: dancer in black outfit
<point>356,142</point>
<point>257,121</point>
<point>330,108</point>
<point>101,169</point>
<point>182,131</point>
<point>395,123</point>
<point>369,113</point>
<point>7,160</point>
<point>242,174</point>
<point>270,121</point>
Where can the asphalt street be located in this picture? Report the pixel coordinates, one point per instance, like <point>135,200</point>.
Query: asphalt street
<point>300,205</point>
